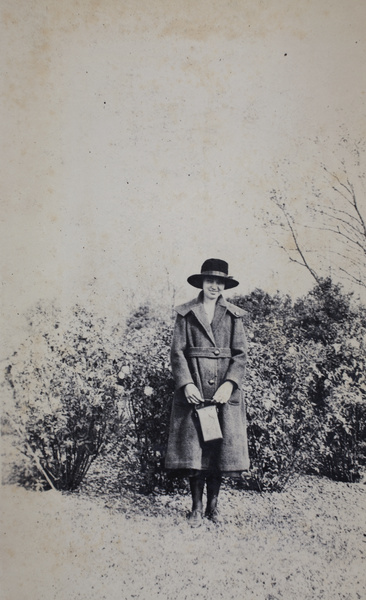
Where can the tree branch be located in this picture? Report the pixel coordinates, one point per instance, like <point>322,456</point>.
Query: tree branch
<point>299,250</point>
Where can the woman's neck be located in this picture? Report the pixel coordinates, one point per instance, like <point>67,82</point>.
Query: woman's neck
<point>209,301</point>
<point>209,308</point>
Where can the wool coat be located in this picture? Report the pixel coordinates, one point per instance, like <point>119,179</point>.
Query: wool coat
<point>207,355</point>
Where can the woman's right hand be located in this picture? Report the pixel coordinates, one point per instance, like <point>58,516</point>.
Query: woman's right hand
<point>192,394</point>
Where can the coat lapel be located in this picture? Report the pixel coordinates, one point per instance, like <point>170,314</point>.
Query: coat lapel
<point>201,317</point>
<point>220,310</point>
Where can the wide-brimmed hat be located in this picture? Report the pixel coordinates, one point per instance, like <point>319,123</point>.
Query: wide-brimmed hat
<point>213,267</point>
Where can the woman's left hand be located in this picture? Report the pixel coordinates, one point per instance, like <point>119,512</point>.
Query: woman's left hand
<point>223,394</point>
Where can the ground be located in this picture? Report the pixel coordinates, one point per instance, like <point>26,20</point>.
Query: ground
<point>306,543</point>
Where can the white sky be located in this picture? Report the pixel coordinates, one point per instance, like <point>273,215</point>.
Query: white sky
<point>140,138</point>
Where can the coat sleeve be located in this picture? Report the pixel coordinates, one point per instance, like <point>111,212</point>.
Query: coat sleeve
<point>239,349</point>
<point>179,364</point>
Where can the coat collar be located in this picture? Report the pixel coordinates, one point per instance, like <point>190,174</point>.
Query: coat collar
<point>184,309</point>
<point>196,307</point>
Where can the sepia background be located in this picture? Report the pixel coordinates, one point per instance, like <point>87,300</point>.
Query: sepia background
<point>140,138</point>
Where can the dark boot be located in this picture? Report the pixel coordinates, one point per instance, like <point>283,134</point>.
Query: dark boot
<point>213,488</point>
<point>197,483</point>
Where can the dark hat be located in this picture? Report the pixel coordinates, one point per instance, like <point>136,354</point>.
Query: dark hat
<point>213,267</point>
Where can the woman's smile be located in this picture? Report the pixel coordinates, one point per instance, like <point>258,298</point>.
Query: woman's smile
<point>212,286</point>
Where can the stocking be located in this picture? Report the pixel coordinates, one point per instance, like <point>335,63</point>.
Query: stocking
<point>197,483</point>
<point>213,488</point>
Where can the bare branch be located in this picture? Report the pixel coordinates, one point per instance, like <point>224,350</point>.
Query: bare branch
<point>355,204</point>
<point>349,190</point>
<point>343,235</point>
<point>294,235</point>
<point>349,259</point>
<point>340,218</point>
<point>342,195</point>
<point>353,278</point>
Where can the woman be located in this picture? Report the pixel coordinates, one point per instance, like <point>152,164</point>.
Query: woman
<point>208,358</point>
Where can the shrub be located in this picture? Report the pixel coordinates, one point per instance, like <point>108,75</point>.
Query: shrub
<point>65,398</point>
<point>147,386</point>
<point>329,316</point>
<point>305,385</point>
<point>305,390</point>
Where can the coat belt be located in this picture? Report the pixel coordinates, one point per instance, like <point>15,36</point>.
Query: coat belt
<point>213,352</point>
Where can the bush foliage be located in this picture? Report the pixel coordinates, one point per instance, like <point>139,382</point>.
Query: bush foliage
<point>80,386</point>
<point>147,386</point>
<point>306,385</point>
<point>65,401</point>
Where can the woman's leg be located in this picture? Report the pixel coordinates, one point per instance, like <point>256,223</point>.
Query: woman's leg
<point>213,489</point>
<point>197,483</point>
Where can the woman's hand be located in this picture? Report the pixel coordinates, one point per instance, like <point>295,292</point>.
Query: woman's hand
<point>223,394</point>
<point>192,394</point>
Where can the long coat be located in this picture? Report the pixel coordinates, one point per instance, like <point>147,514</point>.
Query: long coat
<point>207,355</point>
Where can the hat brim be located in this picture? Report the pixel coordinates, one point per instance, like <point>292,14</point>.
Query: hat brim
<point>197,281</point>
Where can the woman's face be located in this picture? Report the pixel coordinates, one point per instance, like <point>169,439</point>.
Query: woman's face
<point>212,287</point>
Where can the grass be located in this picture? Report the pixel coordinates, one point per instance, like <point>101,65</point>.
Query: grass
<point>307,543</point>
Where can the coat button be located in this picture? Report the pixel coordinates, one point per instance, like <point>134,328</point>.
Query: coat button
<point>217,352</point>
<point>211,382</point>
